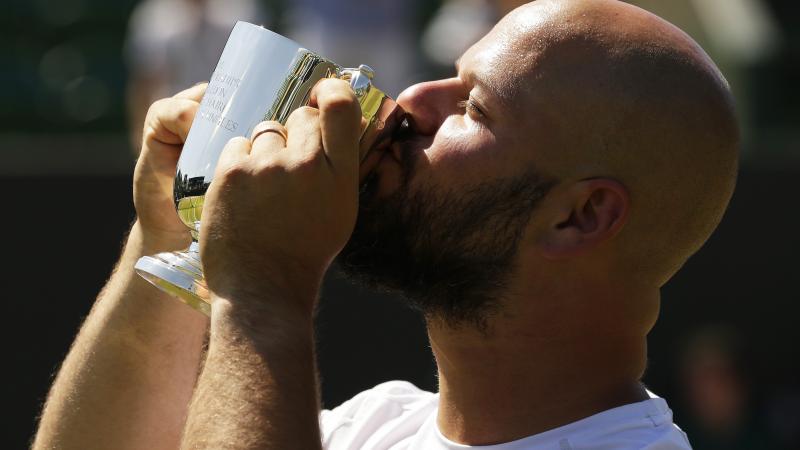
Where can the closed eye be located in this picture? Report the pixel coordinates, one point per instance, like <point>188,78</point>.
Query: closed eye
<point>470,106</point>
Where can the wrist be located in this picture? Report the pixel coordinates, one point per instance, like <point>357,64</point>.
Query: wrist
<point>148,242</point>
<point>262,288</point>
<point>267,315</point>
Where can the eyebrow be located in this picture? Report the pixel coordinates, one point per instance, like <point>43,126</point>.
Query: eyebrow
<point>498,92</point>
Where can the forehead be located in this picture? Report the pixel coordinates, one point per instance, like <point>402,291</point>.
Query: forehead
<point>508,64</point>
<point>504,59</point>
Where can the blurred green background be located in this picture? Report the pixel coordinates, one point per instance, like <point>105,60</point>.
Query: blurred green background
<point>77,75</point>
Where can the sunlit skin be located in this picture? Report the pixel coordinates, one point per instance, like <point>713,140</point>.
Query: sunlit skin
<point>622,112</point>
<point>571,339</point>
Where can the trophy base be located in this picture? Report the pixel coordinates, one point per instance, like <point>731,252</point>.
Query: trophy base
<point>179,274</point>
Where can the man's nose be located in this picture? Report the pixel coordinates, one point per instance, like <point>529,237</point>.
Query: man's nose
<point>428,104</point>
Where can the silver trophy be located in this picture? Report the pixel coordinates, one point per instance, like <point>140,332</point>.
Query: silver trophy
<point>260,76</point>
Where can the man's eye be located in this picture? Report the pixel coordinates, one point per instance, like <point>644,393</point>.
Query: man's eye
<point>470,106</point>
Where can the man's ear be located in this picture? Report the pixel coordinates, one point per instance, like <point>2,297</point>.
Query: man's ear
<point>593,212</point>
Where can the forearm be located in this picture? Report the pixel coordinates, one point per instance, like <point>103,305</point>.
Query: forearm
<point>129,375</point>
<point>264,262</point>
<point>258,388</point>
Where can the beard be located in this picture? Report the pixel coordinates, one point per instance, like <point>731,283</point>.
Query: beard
<point>449,253</point>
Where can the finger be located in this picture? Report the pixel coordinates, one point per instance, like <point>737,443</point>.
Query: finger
<point>267,138</point>
<point>235,151</point>
<point>340,120</point>
<point>368,164</point>
<point>305,137</point>
<point>169,120</point>
<point>193,93</point>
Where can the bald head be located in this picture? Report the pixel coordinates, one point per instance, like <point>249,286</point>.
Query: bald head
<point>616,92</point>
<point>585,146</point>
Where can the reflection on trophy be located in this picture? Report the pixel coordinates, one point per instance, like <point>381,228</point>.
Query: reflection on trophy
<point>260,76</point>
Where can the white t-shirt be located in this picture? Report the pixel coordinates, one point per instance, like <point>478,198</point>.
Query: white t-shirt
<point>398,416</point>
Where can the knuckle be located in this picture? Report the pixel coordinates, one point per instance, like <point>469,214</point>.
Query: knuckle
<point>269,167</point>
<point>302,116</point>
<point>340,101</point>
<point>230,153</point>
<point>235,172</point>
<point>307,161</point>
<point>238,140</point>
<point>305,112</point>
<point>168,111</point>
<point>158,105</point>
<point>153,112</point>
<point>334,84</point>
<point>149,134</point>
<point>186,113</point>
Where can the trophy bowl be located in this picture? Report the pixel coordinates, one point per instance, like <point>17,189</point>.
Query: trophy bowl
<point>260,76</point>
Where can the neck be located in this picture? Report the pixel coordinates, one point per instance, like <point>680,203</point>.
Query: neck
<point>519,380</point>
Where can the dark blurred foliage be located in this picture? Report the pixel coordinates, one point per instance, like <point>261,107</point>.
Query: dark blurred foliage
<point>62,67</point>
<point>57,54</point>
<point>775,83</point>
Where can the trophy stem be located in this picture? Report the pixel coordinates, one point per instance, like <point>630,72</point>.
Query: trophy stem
<point>179,274</point>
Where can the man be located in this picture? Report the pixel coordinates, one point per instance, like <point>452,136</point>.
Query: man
<point>531,209</point>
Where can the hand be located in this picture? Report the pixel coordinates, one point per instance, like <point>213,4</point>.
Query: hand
<point>279,211</point>
<point>165,130</point>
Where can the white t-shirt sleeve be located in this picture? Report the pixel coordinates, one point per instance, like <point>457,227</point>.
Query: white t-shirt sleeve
<point>383,417</point>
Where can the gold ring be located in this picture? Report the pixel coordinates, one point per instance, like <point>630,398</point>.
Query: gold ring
<point>267,127</point>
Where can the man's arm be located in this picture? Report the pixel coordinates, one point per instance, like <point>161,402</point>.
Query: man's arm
<point>259,387</point>
<point>129,376</point>
<point>276,215</point>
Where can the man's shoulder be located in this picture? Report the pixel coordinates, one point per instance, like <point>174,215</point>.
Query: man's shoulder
<point>389,408</point>
<point>645,425</point>
<point>396,395</point>
<point>397,414</point>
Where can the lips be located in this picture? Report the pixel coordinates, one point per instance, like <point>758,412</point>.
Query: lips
<point>392,145</point>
